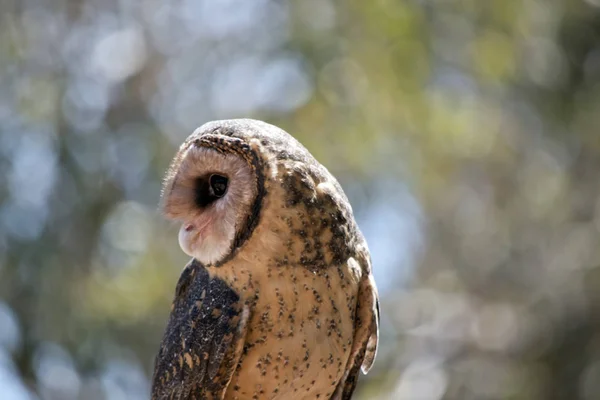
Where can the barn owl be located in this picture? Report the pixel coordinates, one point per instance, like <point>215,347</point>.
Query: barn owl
<point>278,300</point>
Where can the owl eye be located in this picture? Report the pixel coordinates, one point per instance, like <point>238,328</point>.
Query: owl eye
<point>218,185</point>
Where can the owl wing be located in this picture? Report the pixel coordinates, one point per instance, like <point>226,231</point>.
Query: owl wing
<point>366,336</point>
<point>203,340</point>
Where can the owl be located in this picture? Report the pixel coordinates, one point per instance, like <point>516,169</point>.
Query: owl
<point>278,300</point>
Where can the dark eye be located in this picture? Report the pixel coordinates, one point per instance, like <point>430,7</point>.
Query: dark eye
<point>218,185</point>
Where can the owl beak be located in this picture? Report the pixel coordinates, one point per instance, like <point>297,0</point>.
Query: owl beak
<point>187,238</point>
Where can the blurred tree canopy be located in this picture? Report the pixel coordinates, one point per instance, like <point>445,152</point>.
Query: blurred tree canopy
<point>465,132</point>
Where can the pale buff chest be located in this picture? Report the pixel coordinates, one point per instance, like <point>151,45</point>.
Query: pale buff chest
<point>300,333</point>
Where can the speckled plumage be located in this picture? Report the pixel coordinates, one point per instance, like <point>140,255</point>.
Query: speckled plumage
<point>287,307</point>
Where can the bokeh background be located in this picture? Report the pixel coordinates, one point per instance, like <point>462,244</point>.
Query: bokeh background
<point>465,132</point>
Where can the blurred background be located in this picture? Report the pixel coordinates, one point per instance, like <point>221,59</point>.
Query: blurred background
<point>465,132</point>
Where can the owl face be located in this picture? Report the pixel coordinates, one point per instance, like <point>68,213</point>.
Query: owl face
<point>209,189</point>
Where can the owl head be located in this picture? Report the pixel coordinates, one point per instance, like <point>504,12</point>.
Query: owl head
<point>233,178</point>
<point>213,188</point>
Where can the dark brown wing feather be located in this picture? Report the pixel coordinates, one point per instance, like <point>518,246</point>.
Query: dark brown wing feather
<point>203,341</point>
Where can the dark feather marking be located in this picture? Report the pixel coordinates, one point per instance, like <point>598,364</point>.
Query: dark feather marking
<point>197,357</point>
<point>351,380</point>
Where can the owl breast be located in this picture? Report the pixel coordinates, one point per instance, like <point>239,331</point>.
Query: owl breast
<point>300,334</point>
